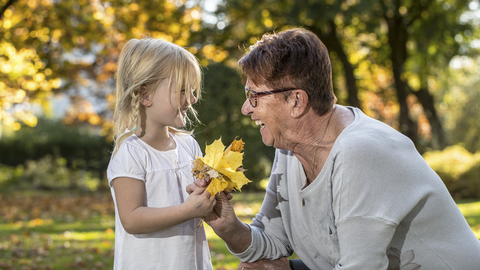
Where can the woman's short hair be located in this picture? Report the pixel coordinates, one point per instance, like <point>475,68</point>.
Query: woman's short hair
<point>292,58</point>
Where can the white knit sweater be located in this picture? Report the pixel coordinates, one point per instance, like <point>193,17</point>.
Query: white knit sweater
<point>375,205</point>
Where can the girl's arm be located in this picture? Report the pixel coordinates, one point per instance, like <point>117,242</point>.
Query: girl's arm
<point>136,218</point>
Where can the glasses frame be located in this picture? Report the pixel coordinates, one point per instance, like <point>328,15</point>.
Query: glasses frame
<point>259,94</point>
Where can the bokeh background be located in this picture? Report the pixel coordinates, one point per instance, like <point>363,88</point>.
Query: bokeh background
<point>413,64</point>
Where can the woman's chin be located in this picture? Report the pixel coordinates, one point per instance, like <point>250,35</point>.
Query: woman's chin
<point>266,137</point>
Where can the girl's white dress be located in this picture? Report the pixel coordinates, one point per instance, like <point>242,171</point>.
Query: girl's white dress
<point>166,175</point>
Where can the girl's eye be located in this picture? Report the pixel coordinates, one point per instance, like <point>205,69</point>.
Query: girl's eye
<point>182,91</point>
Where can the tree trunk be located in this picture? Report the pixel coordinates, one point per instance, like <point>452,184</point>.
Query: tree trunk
<point>332,42</point>
<point>428,104</point>
<point>397,39</point>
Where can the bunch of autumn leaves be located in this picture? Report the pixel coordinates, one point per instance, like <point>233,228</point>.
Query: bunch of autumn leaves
<point>222,166</point>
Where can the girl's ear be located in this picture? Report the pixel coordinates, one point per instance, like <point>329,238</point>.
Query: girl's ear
<point>145,97</point>
<point>300,103</point>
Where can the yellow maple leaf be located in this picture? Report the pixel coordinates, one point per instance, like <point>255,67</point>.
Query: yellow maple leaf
<point>223,166</point>
<point>235,146</point>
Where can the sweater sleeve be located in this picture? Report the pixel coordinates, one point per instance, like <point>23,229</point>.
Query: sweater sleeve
<point>376,187</point>
<point>269,237</point>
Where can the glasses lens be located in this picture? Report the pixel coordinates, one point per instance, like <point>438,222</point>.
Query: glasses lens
<point>251,97</point>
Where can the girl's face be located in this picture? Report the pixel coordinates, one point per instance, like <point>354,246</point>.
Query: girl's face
<point>164,110</point>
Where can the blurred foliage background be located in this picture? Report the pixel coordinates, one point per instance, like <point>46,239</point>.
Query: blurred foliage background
<point>412,64</point>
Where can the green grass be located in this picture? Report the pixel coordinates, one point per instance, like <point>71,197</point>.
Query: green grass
<point>471,212</point>
<point>56,231</point>
<point>45,230</point>
<point>246,206</point>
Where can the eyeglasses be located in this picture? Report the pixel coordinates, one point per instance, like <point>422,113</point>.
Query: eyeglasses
<point>252,96</point>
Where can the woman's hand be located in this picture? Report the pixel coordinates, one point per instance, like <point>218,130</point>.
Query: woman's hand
<point>223,220</point>
<point>280,264</point>
<point>223,214</point>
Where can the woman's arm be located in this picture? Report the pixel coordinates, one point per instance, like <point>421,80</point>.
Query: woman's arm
<point>239,237</point>
<point>224,221</point>
<point>136,218</point>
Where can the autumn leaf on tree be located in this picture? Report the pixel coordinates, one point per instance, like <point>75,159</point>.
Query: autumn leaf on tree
<point>223,166</point>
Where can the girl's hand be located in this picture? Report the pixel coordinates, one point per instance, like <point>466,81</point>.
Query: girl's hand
<point>203,183</point>
<point>200,203</point>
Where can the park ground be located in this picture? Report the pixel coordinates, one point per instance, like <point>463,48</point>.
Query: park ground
<point>72,230</point>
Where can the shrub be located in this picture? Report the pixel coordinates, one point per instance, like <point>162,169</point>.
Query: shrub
<point>459,170</point>
<point>470,180</point>
<point>53,155</point>
<point>80,148</point>
<point>9,174</point>
<point>48,173</point>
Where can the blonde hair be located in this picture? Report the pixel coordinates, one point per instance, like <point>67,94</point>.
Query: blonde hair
<point>150,62</point>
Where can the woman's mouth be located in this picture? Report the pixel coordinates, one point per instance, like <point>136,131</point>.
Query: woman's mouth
<point>260,123</point>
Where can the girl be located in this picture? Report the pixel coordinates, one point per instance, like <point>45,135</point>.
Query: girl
<point>156,220</point>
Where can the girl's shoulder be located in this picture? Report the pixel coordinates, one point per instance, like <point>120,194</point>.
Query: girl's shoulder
<point>186,141</point>
<point>133,142</point>
<point>131,147</point>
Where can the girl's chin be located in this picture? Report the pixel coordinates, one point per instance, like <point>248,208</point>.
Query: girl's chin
<point>182,122</point>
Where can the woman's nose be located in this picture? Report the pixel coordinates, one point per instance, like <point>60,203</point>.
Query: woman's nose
<point>247,108</point>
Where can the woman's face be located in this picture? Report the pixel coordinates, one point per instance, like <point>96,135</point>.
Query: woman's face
<point>269,114</point>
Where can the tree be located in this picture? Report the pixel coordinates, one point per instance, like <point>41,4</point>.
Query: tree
<point>51,47</point>
<point>420,39</point>
<point>460,95</point>
<point>72,47</point>
<point>246,21</point>
<point>401,42</point>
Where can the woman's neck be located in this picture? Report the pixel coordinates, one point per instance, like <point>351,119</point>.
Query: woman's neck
<point>316,139</point>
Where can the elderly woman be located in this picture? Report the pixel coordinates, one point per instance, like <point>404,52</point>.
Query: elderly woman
<point>346,191</point>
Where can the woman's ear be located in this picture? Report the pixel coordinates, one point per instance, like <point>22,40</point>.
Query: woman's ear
<point>300,103</point>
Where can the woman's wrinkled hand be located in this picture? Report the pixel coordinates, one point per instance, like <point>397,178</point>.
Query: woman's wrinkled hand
<point>280,264</point>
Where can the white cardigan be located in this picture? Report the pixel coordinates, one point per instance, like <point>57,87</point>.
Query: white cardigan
<point>376,204</point>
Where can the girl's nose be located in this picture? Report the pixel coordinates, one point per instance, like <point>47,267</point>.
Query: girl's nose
<point>193,99</point>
